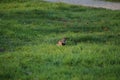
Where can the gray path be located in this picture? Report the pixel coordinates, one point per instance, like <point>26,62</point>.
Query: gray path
<point>92,3</point>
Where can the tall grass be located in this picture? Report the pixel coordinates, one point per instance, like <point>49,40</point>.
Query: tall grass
<point>29,32</point>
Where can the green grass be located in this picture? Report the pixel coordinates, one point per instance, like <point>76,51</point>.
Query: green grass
<point>30,30</point>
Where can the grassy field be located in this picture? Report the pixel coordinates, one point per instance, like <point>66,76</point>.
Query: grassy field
<point>30,30</point>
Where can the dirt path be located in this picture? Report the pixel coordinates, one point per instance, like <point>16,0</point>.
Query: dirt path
<point>92,3</point>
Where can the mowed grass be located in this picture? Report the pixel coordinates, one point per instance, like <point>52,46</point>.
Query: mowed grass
<point>30,30</point>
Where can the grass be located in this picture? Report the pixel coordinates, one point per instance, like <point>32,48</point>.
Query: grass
<point>30,30</point>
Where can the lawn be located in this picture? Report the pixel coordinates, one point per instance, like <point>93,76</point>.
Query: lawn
<point>29,31</point>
